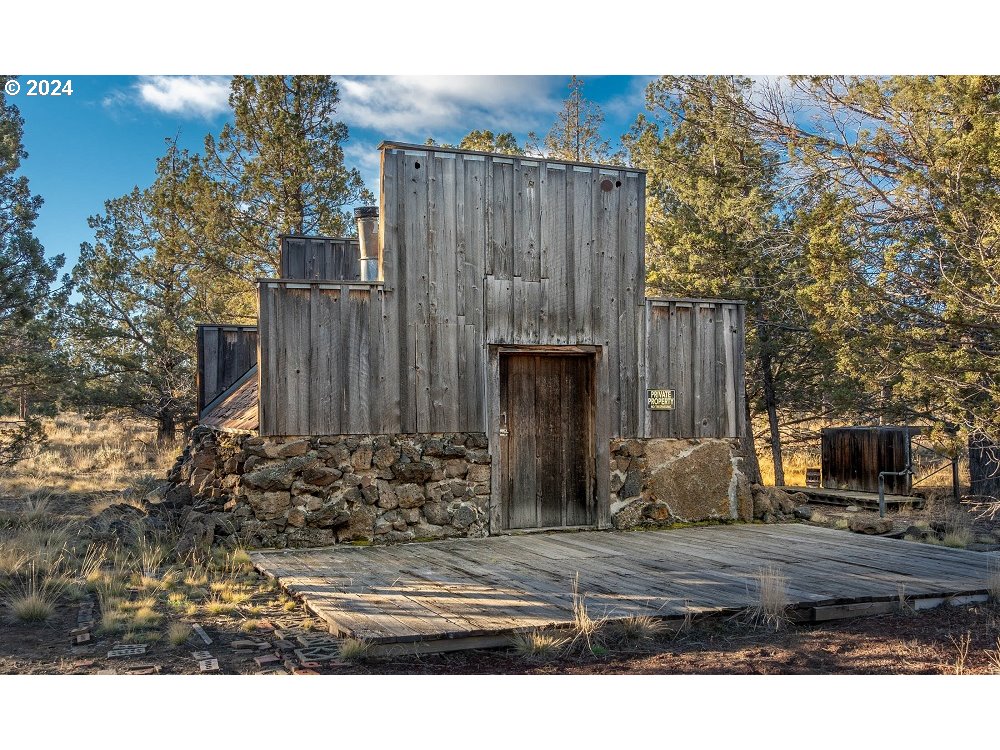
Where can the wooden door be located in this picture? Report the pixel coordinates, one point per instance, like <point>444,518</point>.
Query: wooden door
<point>547,440</point>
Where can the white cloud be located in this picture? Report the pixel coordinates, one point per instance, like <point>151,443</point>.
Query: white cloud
<point>630,102</point>
<point>367,159</point>
<point>197,96</point>
<point>424,105</point>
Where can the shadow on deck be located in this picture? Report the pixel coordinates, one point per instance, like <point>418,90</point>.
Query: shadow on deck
<point>476,593</point>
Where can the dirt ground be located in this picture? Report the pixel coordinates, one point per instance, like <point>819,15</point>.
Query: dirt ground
<point>139,598</point>
<point>260,634</point>
<point>928,642</point>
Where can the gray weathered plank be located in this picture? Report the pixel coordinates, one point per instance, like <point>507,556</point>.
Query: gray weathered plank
<point>425,593</point>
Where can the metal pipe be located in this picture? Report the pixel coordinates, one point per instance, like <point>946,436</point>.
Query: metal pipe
<point>906,472</point>
<point>367,220</point>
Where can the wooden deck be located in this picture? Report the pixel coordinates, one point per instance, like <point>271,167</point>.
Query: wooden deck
<point>867,500</point>
<point>472,593</point>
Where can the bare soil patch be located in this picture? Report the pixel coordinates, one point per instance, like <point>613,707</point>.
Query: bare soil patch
<point>128,589</point>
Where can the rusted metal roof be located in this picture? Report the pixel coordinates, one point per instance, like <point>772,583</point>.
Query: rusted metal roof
<point>235,410</point>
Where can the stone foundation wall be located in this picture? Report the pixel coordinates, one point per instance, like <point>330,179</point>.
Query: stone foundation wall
<point>321,490</point>
<point>656,481</point>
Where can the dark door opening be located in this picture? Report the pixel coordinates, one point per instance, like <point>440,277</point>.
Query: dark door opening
<point>547,440</point>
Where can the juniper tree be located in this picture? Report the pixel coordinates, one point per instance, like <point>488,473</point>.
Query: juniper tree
<point>903,241</point>
<point>143,288</point>
<point>721,223</point>
<point>277,168</point>
<point>29,303</point>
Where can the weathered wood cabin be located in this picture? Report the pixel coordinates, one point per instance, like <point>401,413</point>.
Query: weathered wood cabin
<point>485,359</point>
<point>853,457</point>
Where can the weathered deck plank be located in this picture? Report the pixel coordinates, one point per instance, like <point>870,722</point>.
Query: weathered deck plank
<point>477,591</point>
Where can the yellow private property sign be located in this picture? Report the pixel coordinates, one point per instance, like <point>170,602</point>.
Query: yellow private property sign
<point>661,399</point>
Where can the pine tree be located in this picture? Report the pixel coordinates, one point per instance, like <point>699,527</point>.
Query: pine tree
<point>720,224</point>
<point>576,134</point>
<point>278,168</point>
<point>903,242</point>
<point>486,140</point>
<point>29,305</point>
<point>143,289</point>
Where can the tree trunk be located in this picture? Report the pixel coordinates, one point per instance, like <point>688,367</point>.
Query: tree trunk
<point>23,405</point>
<point>751,466</point>
<point>166,429</point>
<point>770,400</point>
<point>984,469</point>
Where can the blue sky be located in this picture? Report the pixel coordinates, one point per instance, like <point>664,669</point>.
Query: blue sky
<point>104,139</point>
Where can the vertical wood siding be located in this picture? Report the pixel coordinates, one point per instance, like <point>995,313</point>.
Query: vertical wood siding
<point>695,348</point>
<point>852,457</point>
<point>225,353</point>
<point>322,258</point>
<point>322,357</point>
<point>484,250</point>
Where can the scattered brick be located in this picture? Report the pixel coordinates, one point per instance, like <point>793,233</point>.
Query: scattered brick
<point>202,634</point>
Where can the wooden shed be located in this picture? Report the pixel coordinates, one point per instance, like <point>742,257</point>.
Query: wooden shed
<point>225,354</point>
<point>509,301</point>
<point>853,457</point>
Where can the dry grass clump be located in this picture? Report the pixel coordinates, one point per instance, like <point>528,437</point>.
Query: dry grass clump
<point>177,600</point>
<point>218,606</point>
<point>145,617</point>
<point>586,633</point>
<point>231,593</point>
<point>993,579</point>
<point>119,614</point>
<point>961,645</point>
<point>37,566</point>
<point>113,621</point>
<point>32,607</point>
<point>539,644</point>
<point>197,575</point>
<point>236,564</point>
<point>637,629</point>
<point>141,636</point>
<point>44,546</point>
<point>235,595</point>
<point>993,658</point>
<point>955,530</point>
<point>32,597</point>
<point>83,455</point>
<point>178,633</point>
<point>353,649</point>
<point>959,538</point>
<point>249,626</point>
<point>12,560</point>
<point>769,589</point>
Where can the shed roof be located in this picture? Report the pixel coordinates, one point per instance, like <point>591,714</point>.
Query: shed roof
<point>235,409</point>
<point>446,149</point>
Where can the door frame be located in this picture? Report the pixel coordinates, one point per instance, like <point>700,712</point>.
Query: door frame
<point>602,443</point>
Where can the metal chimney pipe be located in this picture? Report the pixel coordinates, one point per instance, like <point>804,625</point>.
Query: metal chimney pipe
<point>367,219</point>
